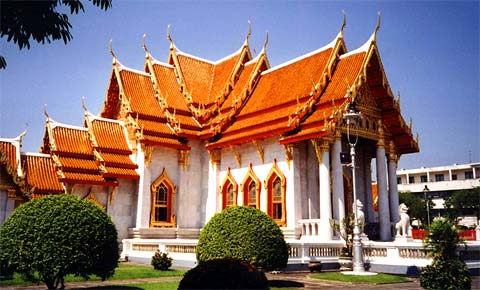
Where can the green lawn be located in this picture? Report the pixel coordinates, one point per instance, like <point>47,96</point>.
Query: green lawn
<point>127,271</point>
<point>124,271</point>
<point>380,278</point>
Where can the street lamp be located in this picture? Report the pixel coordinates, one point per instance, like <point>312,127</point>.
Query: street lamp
<point>427,204</point>
<point>352,117</point>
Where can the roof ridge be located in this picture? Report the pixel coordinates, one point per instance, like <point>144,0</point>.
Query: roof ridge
<point>363,48</point>
<point>123,67</point>
<point>55,124</point>
<point>99,118</point>
<point>156,61</point>
<point>302,57</point>
<point>36,154</point>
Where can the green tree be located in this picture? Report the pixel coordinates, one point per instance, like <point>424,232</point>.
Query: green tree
<point>447,270</point>
<point>243,233</point>
<point>39,20</point>
<point>46,239</point>
<point>463,202</point>
<point>417,206</point>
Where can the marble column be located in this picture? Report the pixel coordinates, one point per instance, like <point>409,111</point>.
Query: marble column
<point>383,204</point>
<point>213,184</point>
<point>368,205</point>
<point>143,158</point>
<point>325,230</point>
<point>392,185</point>
<point>337,180</point>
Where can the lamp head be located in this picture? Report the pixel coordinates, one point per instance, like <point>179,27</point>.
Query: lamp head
<point>352,115</point>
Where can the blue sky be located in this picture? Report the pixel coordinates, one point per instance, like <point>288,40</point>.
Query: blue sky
<point>429,49</point>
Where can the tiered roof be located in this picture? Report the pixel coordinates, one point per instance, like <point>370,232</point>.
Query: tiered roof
<point>239,99</point>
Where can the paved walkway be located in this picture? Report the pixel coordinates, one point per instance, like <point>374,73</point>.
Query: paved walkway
<point>291,279</point>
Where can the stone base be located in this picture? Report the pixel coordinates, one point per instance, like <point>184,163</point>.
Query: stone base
<point>190,234</point>
<point>359,273</point>
<point>153,233</point>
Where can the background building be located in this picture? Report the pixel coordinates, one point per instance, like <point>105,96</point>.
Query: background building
<point>442,182</point>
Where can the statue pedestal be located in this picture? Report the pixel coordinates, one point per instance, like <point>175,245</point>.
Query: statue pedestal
<point>403,239</point>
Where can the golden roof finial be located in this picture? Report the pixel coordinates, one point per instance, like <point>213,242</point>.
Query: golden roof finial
<point>377,27</point>
<point>169,36</point>
<point>115,62</point>
<point>84,106</point>
<point>20,137</point>
<point>266,41</point>
<point>46,112</point>
<point>344,20</point>
<point>143,43</point>
<point>249,33</point>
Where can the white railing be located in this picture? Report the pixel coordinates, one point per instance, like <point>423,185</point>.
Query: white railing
<point>378,254</point>
<point>310,227</point>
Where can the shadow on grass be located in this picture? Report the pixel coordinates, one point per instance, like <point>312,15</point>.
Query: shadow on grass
<point>123,287</point>
<point>284,284</point>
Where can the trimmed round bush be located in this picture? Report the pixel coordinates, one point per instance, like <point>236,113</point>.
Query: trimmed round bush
<point>46,239</point>
<point>161,261</point>
<point>224,274</point>
<point>244,233</point>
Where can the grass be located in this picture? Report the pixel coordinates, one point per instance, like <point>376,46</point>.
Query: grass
<point>124,271</point>
<point>127,271</point>
<point>380,278</point>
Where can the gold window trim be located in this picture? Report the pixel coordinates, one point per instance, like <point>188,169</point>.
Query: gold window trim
<point>171,192</point>
<point>272,175</point>
<point>227,181</point>
<point>249,177</point>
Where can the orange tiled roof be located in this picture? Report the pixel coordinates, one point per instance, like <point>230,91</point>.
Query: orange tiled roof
<point>74,154</point>
<point>205,80</point>
<point>169,87</point>
<point>72,140</point>
<point>8,156</point>
<point>110,136</point>
<point>41,174</point>
<point>121,160</point>
<point>287,83</point>
<point>278,93</point>
<point>140,93</point>
<point>112,147</point>
<point>346,72</point>
<point>119,172</point>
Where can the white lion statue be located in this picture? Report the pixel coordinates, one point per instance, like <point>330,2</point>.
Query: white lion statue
<point>403,226</point>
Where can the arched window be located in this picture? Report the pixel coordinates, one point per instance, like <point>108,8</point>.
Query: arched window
<point>229,191</point>
<point>276,186</point>
<point>251,189</point>
<point>163,200</point>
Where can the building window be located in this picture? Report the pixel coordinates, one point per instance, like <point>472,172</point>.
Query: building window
<point>252,195</point>
<point>229,191</point>
<point>469,175</point>
<point>439,177</point>
<point>251,189</point>
<point>423,178</point>
<point>454,177</point>
<point>276,187</point>
<point>399,180</point>
<point>411,179</point>
<point>162,199</point>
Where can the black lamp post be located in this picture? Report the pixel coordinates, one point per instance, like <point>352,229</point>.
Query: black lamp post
<point>352,117</point>
<point>426,190</point>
